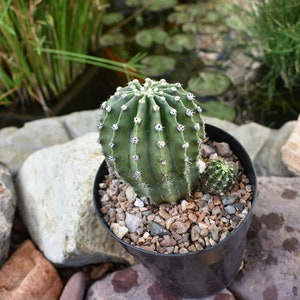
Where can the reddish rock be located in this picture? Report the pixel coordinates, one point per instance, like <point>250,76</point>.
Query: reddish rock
<point>75,287</point>
<point>181,226</point>
<point>27,275</point>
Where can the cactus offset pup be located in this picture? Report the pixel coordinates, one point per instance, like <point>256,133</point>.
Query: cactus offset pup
<point>151,136</point>
<point>218,177</point>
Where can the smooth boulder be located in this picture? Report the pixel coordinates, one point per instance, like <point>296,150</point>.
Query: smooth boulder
<point>55,202</point>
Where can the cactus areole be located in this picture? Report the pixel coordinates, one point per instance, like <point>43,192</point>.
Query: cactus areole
<point>151,135</point>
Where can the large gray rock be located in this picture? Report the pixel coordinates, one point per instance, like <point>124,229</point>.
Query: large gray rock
<point>268,161</point>
<point>223,124</point>
<point>55,202</point>
<point>262,144</point>
<point>290,151</point>
<point>80,123</point>
<point>272,258</point>
<point>7,210</point>
<point>253,137</point>
<point>16,144</point>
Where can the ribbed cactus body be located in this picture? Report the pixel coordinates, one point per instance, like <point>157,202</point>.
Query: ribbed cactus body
<point>218,177</point>
<point>150,135</point>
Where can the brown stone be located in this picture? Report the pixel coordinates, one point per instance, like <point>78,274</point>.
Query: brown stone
<point>27,275</point>
<point>181,226</point>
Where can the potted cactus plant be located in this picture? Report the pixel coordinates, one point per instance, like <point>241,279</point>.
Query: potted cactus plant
<point>192,203</point>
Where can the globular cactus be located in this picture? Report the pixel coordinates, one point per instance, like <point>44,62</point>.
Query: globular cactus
<point>151,135</point>
<point>217,177</point>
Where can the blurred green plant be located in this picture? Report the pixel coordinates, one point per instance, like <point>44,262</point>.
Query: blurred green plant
<point>209,83</point>
<point>152,5</point>
<point>270,31</point>
<point>167,30</point>
<point>44,46</point>
<point>219,109</point>
<point>276,31</point>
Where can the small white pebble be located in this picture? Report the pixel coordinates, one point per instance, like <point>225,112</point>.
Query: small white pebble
<point>139,203</point>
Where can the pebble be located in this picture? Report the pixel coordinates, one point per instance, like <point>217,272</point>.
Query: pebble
<point>119,231</point>
<point>195,233</point>
<point>223,149</point>
<point>248,188</point>
<point>204,232</point>
<point>113,187</point>
<point>210,205</point>
<point>148,248</point>
<point>169,222</point>
<point>181,226</point>
<point>240,206</point>
<point>207,150</point>
<point>168,242</point>
<point>224,220</point>
<point>212,242</point>
<point>229,200</point>
<point>217,200</point>
<point>134,237</point>
<point>230,209</point>
<point>122,197</point>
<point>164,214</point>
<point>223,235</point>
<point>120,216</point>
<point>207,243</point>
<point>130,194</point>
<point>206,197</point>
<point>132,222</point>
<point>159,220</point>
<point>213,156</point>
<point>216,210</point>
<point>139,203</point>
<point>202,216</point>
<point>202,225</point>
<point>157,229</point>
<point>105,198</point>
<point>198,195</point>
<point>184,205</point>
<point>215,234</point>
<point>192,217</point>
<point>102,185</point>
<point>183,251</point>
<point>146,235</point>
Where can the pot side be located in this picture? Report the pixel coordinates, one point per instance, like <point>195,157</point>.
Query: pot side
<point>201,273</point>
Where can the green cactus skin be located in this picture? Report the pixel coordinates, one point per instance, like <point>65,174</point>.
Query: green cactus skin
<point>151,135</point>
<point>217,177</point>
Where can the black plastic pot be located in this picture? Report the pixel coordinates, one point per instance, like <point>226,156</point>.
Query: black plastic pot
<point>202,273</point>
